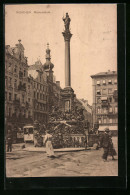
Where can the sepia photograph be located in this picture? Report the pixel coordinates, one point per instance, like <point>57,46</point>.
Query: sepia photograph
<point>61,90</point>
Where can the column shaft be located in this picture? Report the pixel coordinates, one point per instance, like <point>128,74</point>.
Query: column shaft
<point>67,64</point>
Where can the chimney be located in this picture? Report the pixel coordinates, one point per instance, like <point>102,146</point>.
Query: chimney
<point>108,70</point>
<point>58,83</point>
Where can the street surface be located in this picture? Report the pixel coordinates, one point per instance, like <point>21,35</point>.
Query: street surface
<point>20,163</point>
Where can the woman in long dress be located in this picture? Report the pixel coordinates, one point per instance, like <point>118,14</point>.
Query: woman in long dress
<point>48,142</point>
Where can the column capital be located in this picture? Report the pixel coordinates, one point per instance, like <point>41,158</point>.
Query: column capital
<point>67,35</point>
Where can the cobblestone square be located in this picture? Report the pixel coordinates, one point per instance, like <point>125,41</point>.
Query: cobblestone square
<point>21,163</point>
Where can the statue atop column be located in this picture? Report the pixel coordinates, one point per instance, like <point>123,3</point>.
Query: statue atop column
<point>66,22</point>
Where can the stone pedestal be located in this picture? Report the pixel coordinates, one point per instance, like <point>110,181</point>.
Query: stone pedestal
<point>67,99</point>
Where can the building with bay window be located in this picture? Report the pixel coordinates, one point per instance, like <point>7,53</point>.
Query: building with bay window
<point>105,100</point>
<point>18,110</point>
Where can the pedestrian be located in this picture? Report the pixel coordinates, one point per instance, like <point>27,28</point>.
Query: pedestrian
<point>85,142</point>
<point>105,143</point>
<point>48,143</point>
<point>112,151</point>
<point>9,141</point>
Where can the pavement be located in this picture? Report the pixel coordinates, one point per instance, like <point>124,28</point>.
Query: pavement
<point>23,163</point>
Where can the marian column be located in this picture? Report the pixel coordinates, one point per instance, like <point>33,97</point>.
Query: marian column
<point>67,94</point>
<point>67,36</point>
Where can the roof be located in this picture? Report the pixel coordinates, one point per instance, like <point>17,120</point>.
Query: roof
<point>104,74</point>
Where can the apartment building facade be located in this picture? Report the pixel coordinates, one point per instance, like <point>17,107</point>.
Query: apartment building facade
<point>105,100</point>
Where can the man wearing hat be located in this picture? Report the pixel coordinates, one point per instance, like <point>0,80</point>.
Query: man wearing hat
<point>105,143</point>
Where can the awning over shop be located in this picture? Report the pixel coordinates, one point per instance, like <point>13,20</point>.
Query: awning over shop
<point>103,98</point>
<point>111,128</point>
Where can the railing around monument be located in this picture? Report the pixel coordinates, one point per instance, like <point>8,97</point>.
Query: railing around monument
<point>70,134</point>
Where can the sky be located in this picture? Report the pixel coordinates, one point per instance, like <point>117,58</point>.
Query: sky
<point>93,46</point>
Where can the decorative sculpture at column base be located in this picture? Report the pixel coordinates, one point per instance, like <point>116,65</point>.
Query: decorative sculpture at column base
<point>67,99</point>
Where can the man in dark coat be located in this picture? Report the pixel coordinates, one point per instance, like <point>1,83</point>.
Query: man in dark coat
<point>105,143</point>
<point>9,141</point>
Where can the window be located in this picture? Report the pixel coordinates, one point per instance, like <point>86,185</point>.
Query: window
<point>22,98</point>
<point>28,87</point>
<point>28,99</point>
<point>34,94</point>
<point>40,96</point>
<point>15,96</point>
<point>10,81</point>
<point>116,109</point>
<point>110,91</point>
<point>98,92</point>
<point>110,99</point>
<point>24,73</point>
<point>37,85</point>
<point>104,82</point>
<point>29,114</point>
<point>37,95</point>
<point>10,96</point>
<point>15,69</point>
<point>104,120</point>
<point>9,67</point>
<point>40,78</point>
<point>41,106</point>
<point>99,120</point>
<point>104,110</point>
<point>115,81</point>
<point>34,85</point>
<point>15,83</point>
<point>110,82</point>
<point>10,112</point>
<point>98,110</point>
<point>110,120</point>
<point>98,82</point>
<point>110,109</point>
<point>104,91</point>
